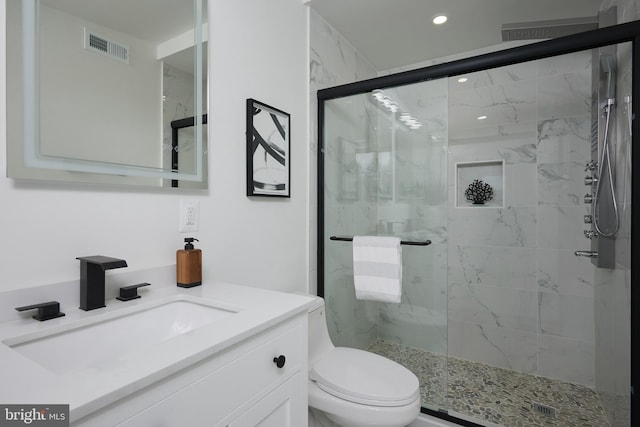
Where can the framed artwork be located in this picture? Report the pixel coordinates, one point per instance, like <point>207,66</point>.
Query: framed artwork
<point>268,150</point>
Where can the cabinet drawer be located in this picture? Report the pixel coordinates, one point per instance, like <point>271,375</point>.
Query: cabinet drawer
<point>283,407</point>
<point>209,399</point>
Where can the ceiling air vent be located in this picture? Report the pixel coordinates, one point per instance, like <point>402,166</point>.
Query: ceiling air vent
<point>547,29</point>
<point>106,47</point>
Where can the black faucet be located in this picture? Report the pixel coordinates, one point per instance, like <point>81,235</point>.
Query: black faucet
<point>92,286</point>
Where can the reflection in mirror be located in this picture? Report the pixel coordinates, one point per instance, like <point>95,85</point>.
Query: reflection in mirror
<point>183,149</point>
<point>101,81</point>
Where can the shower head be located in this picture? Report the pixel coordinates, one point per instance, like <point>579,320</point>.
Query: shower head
<point>547,29</point>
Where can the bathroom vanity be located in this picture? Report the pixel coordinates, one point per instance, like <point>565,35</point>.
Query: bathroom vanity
<point>216,355</point>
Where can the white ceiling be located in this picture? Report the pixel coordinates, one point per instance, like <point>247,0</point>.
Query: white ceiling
<point>155,21</point>
<point>394,33</point>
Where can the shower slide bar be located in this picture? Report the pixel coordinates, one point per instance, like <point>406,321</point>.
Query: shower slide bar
<point>402,242</point>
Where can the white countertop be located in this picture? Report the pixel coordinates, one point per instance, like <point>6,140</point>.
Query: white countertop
<point>89,389</point>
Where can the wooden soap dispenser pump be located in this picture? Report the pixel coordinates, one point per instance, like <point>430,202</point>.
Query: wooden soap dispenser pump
<point>189,265</point>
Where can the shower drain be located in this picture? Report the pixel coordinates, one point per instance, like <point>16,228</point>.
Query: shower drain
<point>544,410</point>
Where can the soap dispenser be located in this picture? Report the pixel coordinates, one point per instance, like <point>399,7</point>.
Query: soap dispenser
<point>189,265</point>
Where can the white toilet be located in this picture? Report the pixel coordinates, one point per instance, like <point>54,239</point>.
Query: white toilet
<point>356,388</point>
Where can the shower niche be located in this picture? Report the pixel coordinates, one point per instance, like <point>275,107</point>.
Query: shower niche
<point>479,184</point>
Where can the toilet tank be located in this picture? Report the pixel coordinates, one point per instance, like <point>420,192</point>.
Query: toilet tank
<point>319,340</point>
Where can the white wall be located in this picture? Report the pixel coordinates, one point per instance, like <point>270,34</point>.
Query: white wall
<point>257,49</point>
<point>77,101</point>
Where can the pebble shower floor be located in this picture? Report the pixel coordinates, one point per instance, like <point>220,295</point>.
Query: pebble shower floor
<point>496,395</point>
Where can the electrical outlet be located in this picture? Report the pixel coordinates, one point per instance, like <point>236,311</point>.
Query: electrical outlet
<point>188,216</point>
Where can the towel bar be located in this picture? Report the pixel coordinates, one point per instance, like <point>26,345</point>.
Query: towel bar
<point>402,242</point>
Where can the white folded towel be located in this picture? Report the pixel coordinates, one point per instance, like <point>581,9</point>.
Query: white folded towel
<point>377,268</point>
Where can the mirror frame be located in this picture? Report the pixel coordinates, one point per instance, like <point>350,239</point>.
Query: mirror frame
<point>33,161</point>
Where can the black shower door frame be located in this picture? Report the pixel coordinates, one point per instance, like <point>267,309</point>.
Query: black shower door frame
<point>622,33</point>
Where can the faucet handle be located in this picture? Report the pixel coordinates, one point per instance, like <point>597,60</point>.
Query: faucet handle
<point>130,292</point>
<point>46,310</point>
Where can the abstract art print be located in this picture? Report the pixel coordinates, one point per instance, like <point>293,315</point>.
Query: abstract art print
<point>268,145</point>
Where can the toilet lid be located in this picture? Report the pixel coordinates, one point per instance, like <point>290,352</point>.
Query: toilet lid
<point>363,377</point>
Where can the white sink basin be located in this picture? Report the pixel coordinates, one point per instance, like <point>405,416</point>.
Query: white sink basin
<point>104,340</point>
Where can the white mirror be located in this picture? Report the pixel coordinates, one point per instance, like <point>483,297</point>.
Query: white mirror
<point>96,88</point>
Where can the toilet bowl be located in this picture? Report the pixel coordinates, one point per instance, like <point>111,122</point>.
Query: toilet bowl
<point>356,388</point>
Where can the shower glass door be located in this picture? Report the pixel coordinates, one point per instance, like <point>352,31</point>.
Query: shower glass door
<point>502,318</point>
<point>385,173</point>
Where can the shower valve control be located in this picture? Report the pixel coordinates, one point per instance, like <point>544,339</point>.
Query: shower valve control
<point>588,219</point>
<point>590,180</point>
<point>588,198</point>
<point>590,166</point>
<point>590,234</point>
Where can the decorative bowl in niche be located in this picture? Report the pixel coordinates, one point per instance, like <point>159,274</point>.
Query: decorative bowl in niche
<point>478,192</point>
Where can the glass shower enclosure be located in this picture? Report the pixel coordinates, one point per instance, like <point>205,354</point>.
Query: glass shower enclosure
<point>506,317</point>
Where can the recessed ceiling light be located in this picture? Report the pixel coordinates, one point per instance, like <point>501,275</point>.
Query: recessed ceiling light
<point>462,79</point>
<point>482,117</point>
<point>440,19</point>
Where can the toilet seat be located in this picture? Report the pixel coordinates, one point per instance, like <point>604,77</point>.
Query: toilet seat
<point>362,377</point>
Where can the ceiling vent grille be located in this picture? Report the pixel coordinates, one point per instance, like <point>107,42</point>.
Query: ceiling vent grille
<point>106,47</point>
<point>548,29</point>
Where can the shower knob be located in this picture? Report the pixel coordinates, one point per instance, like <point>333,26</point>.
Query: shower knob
<point>588,198</point>
<point>590,234</point>
<point>588,219</point>
<point>590,166</point>
<point>590,180</point>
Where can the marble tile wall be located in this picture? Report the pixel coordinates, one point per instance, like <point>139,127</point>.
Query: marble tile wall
<point>518,298</point>
<point>565,303</point>
<point>418,205</point>
<point>333,62</point>
<point>612,286</point>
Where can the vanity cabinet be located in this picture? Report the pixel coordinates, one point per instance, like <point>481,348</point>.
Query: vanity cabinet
<point>241,386</point>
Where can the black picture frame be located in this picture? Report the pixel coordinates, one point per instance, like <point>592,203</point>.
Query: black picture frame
<point>268,150</point>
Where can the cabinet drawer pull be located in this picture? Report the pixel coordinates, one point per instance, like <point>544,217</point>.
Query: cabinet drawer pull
<point>279,361</point>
